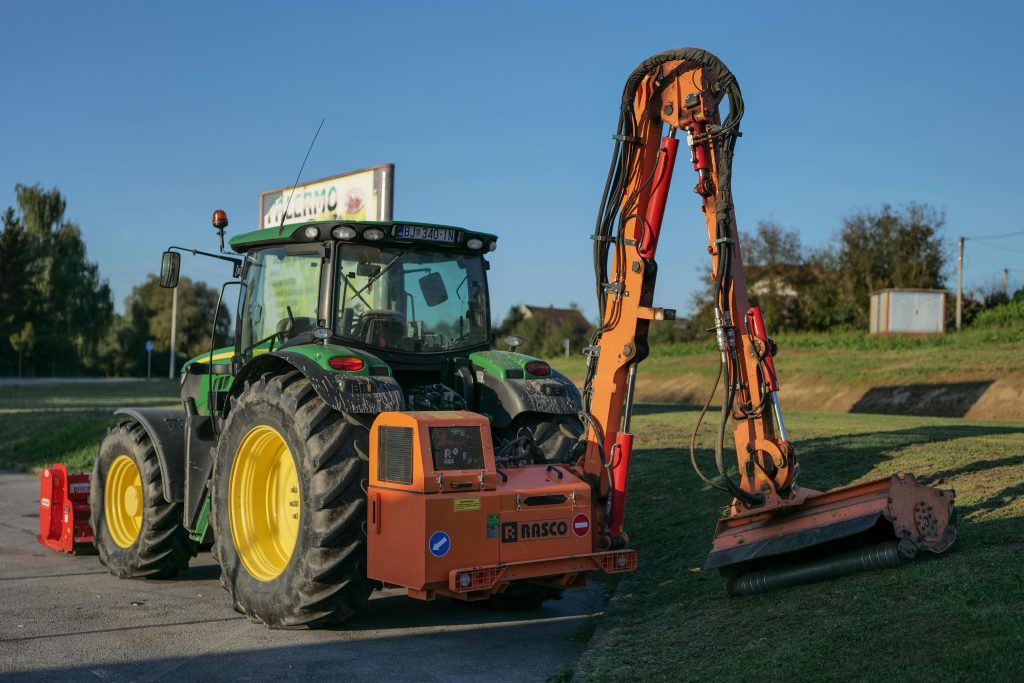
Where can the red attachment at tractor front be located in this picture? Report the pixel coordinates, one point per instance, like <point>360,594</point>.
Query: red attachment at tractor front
<point>64,511</point>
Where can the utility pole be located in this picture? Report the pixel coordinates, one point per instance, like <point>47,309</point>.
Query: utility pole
<point>960,283</point>
<point>174,331</point>
<point>1006,291</point>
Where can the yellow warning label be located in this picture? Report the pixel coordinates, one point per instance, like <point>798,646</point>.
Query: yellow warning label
<point>467,504</point>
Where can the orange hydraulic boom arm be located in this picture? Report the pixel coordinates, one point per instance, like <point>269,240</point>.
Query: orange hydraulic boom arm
<point>673,95</point>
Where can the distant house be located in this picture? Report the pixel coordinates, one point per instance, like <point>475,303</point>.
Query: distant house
<point>778,280</point>
<point>556,316</point>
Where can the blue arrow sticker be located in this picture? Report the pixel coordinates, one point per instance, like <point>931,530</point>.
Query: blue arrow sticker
<point>439,544</point>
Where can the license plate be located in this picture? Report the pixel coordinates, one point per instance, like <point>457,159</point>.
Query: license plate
<point>420,232</point>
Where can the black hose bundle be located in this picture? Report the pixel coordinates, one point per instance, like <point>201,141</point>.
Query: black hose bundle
<point>611,221</point>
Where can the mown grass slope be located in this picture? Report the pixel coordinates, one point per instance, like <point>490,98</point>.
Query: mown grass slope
<point>950,618</point>
<point>42,424</point>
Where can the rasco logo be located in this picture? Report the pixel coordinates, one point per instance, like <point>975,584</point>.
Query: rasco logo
<point>513,532</point>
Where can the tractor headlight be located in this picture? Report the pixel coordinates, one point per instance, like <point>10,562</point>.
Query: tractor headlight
<point>311,232</point>
<point>343,232</point>
<point>373,234</point>
<point>474,243</point>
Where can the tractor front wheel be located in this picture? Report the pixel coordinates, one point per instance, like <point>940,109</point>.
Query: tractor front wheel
<point>556,435</point>
<point>137,532</point>
<point>289,505</point>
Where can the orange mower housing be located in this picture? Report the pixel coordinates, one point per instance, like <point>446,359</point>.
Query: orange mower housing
<point>444,519</point>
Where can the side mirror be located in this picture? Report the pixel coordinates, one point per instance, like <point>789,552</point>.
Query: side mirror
<point>433,289</point>
<point>513,341</point>
<point>170,264</point>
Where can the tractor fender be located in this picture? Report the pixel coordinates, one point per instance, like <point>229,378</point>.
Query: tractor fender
<point>166,429</point>
<point>504,399</point>
<point>345,392</point>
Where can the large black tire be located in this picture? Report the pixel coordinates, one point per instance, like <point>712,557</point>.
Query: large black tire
<point>323,580</point>
<point>556,435</point>
<point>162,546</point>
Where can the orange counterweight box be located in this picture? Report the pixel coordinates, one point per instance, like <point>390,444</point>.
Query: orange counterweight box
<point>444,519</point>
<point>64,511</point>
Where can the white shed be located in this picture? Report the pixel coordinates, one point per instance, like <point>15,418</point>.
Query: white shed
<point>908,311</point>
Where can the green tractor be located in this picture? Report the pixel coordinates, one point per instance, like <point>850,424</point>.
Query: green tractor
<point>337,322</point>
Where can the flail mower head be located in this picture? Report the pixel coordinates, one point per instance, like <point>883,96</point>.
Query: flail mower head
<point>815,536</point>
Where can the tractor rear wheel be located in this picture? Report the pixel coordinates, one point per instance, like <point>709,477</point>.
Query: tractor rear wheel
<point>289,505</point>
<point>137,532</point>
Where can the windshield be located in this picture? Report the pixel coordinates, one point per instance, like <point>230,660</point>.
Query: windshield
<point>411,299</point>
<point>281,294</point>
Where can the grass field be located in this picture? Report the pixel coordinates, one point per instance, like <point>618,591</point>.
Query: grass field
<point>950,618</point>
<point>42,424</point>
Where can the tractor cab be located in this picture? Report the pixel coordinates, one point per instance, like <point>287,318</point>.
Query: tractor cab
<point>405,300</point>
<point>414,294</point>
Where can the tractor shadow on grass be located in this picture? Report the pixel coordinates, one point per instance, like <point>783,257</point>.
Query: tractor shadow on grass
<point>998,500</point>
<point>846,458</point>
<point>949,399</point>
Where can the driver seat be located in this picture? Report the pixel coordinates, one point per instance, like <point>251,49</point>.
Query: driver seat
<point>382,327</point>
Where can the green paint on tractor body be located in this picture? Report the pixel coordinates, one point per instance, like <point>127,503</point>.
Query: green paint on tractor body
<point>501,363</point>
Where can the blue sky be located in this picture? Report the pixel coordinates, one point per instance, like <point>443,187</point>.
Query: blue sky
<point>498,117</point>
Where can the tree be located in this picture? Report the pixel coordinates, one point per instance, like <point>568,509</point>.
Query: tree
<point>776,273</point>
<point>542,337</point>
<point>887,248</point>
<point>17,295</point>
<point>148,317</point>
<point>49,282</point>
<point>23,341</point>
<point>831,287</point>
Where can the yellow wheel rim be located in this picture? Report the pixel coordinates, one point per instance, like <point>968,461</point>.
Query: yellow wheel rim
<point>122,501</point>
<point>263,503</point>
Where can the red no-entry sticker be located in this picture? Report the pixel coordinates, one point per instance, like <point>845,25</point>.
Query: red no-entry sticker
<point>581,524</point>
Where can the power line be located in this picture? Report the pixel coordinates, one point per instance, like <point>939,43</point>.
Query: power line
<point>1000,247</point>
<point>994,237</point>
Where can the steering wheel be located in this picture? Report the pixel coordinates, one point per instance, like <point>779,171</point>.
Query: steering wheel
<point>376,326</point>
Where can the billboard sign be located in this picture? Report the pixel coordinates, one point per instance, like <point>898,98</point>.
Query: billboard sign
<point>364,195</point>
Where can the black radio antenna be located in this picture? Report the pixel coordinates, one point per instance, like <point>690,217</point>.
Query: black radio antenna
<point>296,183</point>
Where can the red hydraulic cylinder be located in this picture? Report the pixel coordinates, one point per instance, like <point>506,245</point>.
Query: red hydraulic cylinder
<point>659,193</point>
<point>620,477</point>
<point>758,331</point>
<point>700,150</point>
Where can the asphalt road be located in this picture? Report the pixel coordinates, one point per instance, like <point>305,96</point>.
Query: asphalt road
<point>64,617</point>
